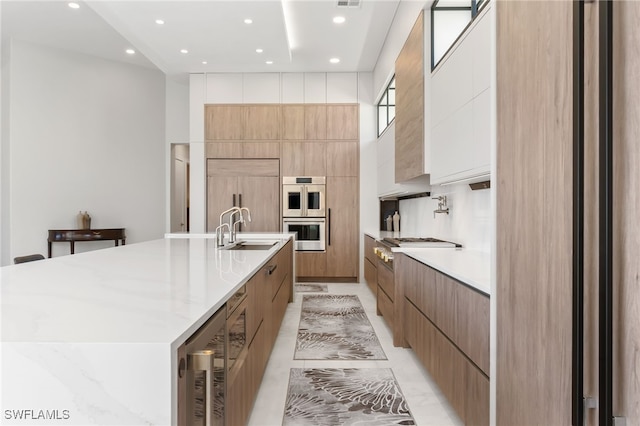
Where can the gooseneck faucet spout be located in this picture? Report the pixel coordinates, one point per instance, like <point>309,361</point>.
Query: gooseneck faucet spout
<point>442,205</point>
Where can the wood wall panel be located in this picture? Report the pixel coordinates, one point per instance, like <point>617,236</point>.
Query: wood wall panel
<point>224,122</point>
<point>293,122</point>
<point>626,199</point>
<point>262,122</point>
<point>534,212</point>
<point>342,158</point>
<point>342,122</point>
<point>261,149</point>
<point>315,122</point>
<point>223,150</point>
<point>409,147</point>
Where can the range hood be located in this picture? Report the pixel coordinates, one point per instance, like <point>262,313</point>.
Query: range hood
<point>414,188</point>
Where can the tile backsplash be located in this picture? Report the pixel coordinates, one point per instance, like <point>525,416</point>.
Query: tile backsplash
<point>468,221</point>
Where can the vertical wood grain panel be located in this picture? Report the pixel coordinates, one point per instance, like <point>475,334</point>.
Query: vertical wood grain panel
<point>534,212</point>
<point>410,105</point>
<point>293,122</point>
<point>224,122</point>
<point>626,198</point>
<point>315,158</point>
<point>315,122</point>
<point>342,158</point>
<point>342,122</point>
<point>262,122</point>
<point>261,149</point>
<point>223,150</point>
<point>342,254</point>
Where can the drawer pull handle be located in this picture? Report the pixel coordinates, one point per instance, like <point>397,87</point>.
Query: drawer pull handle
<point>272,268</point>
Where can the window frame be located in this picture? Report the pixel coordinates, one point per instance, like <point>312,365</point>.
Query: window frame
<point>475,7</point>
<point>385,95</point>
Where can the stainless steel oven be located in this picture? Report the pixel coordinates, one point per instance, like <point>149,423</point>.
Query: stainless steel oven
<point>310,232</point>
<point>303,196</point>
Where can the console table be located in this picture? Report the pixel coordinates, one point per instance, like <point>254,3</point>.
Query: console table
<point>73,235</point>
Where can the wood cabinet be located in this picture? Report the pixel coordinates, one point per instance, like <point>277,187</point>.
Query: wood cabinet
<point>262,122</point>
<point>242,122</point>
<point>386,293</point>
<point>342,122</point>
<point>293,122</point>
<point>242,149</point>
<point>342,227</point>
<point>446,323</point>
<point>370,264</point>
<point>315,121</point>
<point>224,122</point>
<point>254,184</point>
<point>342,158</point>
<point>303,159</point>
<point>409,127</point>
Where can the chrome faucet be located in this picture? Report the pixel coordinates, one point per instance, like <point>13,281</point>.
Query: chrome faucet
<point>232,225</point>
<point>219,233</point>
<point>442,205</point>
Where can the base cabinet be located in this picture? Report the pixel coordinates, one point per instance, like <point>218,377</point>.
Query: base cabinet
<point>267,294</point>
<point>446,323</point>
<point>370,264</point>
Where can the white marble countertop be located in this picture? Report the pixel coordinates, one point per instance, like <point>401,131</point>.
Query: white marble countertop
<point>95,333</point>
<point>472,267</point>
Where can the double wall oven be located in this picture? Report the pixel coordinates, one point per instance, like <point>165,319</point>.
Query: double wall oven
<point>303,211</point>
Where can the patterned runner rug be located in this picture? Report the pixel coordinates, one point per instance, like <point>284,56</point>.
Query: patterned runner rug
<point>345,396</point>
<point>335,327</point>
<point>311,288</point>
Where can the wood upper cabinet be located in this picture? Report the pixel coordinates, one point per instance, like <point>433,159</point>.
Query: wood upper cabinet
<point>342,227</point>
<point>243,149</point>
<point>409,127</point>
<point>342,122</point>
<point>343,158</point>
<point>254,184</point>
<point>262,122</point>
<point>224,122</point>
<point>315,121</point>
<point>293,122</point>
<point>303,159</point>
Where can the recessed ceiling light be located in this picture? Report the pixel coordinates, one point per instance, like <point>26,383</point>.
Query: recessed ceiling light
<point>159,22</point>
<point>248,21</point>
<point>74,5</point>
<point>204,62</point>
<point>185,51</point>
<point>130,51</point>
<point>334,60</point>
<point>269,62</point>
<point>259,50</point>
<point>338,19</point>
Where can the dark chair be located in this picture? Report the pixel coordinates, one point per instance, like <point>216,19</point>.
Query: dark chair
<point>29,258</point>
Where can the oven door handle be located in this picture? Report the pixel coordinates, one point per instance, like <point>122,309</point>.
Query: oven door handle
<point>203,361</point>
<point>303,203</point>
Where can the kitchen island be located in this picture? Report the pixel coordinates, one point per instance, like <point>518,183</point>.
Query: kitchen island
<point>92,338</point>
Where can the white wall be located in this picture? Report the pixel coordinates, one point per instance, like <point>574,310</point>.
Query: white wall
<point>86,134</point>
<point>468,222</point>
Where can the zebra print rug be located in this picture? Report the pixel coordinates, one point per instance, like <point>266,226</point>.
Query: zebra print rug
<point>345,396</point>
<point>336,327</point>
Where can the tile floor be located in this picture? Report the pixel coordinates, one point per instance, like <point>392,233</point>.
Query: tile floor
<point>427,405</point>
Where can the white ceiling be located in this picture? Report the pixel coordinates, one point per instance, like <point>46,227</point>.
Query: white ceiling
<point>297,35</point>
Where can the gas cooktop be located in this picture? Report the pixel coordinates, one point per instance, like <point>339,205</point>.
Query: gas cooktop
<point>419,242</point>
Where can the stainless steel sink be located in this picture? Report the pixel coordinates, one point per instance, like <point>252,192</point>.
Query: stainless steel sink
<point>252,245</point>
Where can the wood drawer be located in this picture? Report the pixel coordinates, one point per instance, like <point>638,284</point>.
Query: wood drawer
<point>371,275</point>
<point>385,279</point>
<point>369,245</point>
<point>385,307</point>
<point>461,382</point>
<point>420,286</point>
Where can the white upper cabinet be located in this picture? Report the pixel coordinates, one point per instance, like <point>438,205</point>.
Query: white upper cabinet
<point>461,105</point>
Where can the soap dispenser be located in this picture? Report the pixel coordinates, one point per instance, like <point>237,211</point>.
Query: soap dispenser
<point>389,221</point>
<point>396,222</point>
